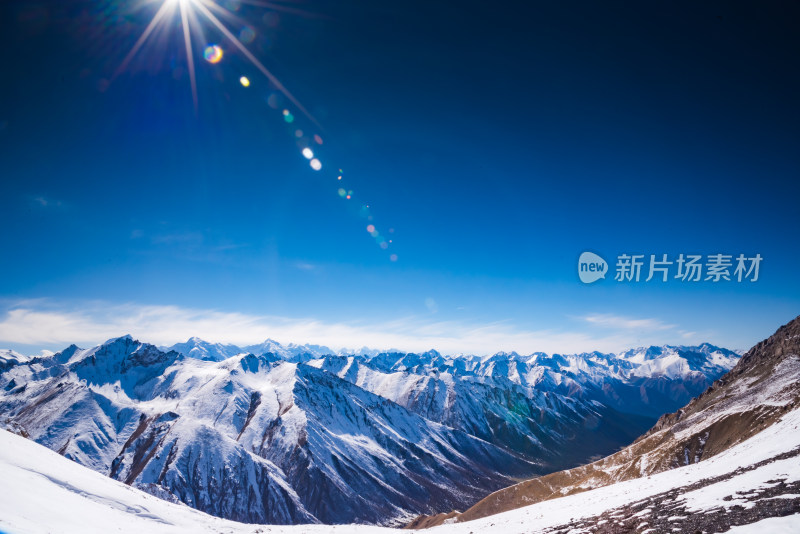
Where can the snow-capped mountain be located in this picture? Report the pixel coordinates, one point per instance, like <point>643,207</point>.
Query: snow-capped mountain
<point>542,425</point>
<point>252,438</point>
<point>762,391</point>
<point>741,476</point>
<point>9,358</point>
<point>680,361</point>
<point>195,347</point>
<point>295,434</point>
<point>291,352</point>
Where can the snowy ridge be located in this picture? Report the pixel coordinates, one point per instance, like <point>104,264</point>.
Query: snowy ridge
<point>9,358</point>
<point>665,360</point>
<point>203,350</point>
<point>647,381</point>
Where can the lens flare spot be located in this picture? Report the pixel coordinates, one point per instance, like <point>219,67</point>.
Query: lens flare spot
<point>347,197</point>
<point>339,178</point>
<point>342,192</point>
<point>371,228</point>
<point>315,164</point>
<point>308,154</point>
<point>245,81</point>
<point>384,245</point>
<point>247,35</point>
<point>213,54</point>
<point>393,257</point>
<point>317,139</point>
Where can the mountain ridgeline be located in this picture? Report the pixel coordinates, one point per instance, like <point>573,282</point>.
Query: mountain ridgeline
<point>301,434</point>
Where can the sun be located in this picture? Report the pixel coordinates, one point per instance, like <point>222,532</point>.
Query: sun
<point>195,16</point>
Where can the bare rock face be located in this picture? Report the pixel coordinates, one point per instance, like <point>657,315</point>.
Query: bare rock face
<point>763,386</point>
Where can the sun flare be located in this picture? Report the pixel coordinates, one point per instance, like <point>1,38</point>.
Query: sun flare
<point>197,16</point>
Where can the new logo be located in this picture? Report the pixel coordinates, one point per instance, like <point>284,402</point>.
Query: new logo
<point>591,267</point>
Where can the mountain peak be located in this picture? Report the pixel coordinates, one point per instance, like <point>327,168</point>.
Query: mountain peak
<point>113,340</point>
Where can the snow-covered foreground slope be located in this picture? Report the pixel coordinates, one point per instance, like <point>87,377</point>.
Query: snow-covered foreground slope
<point>754,482</point>
<point>43,492</point>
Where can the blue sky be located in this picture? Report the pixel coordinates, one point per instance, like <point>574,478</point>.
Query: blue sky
<point>498,142</point>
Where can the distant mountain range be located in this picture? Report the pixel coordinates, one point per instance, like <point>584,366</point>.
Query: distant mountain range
<point>298,434</point>
<point>195,347</point>
<point>645,381</point>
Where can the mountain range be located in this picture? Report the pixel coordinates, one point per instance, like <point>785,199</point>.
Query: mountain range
<point>725,462</point>
<point>289,434</point>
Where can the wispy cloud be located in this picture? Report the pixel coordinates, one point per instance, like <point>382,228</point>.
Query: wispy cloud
<point>305,266</point>
<point>627,323</point>
<point>430,303</point>
<point>229,246</point>
<point>46,202</point>
<point>48,324</point>
<point>179,238</point>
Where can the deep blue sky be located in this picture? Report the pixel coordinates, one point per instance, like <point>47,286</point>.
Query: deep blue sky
<point>499,141</point>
